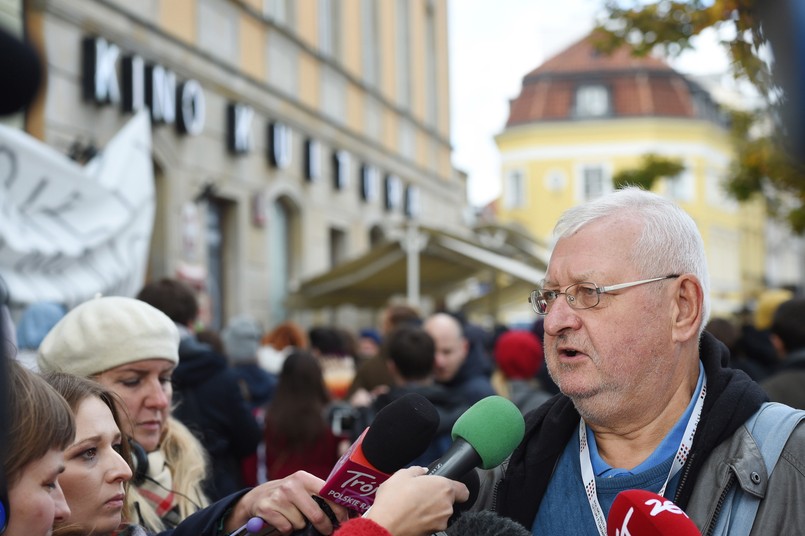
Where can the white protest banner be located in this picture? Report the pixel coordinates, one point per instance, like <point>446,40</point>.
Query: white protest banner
<point>69,232</point>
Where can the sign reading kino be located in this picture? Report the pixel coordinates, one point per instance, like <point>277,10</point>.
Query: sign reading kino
<point>149,85</point>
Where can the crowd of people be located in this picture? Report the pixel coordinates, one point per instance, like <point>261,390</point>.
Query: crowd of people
<point>126,418</point>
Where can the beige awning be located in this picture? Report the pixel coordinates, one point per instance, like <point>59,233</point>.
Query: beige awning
<point>446,261</point>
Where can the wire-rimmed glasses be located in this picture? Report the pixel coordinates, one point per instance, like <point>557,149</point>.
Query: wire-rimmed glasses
<point>583,295</point>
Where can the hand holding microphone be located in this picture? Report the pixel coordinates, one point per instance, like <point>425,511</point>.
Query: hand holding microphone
<point>412,502</point>
<point>638,512</point>
<point>399,433</point>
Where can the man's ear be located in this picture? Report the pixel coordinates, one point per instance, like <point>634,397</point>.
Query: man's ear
<point>777,342</point>
<point>688,308</point>
<point>395,373</point>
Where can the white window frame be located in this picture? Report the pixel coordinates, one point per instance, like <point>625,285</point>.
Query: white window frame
<point>592,100</point>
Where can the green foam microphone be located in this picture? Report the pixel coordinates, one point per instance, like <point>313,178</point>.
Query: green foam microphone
<point>484,436</point>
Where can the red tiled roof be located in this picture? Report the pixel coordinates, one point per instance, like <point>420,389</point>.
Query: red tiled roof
<point>638,86</point>
<point>582,57</point>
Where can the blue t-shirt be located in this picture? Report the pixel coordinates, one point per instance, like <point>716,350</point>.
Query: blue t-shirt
<point>565,509</point>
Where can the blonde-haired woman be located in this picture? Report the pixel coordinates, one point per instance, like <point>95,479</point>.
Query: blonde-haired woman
<point>131,348</point>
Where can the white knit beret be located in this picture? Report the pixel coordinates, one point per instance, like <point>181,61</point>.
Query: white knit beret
<point>104,333</point>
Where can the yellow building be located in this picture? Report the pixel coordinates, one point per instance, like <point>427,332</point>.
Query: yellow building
<point>288,135</point>
<point>582,117</point>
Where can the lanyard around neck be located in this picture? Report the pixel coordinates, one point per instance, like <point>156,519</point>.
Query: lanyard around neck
<point>588,475</point>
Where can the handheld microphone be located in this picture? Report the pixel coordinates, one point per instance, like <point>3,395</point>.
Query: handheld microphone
<point>400,432</point>
<point>484,436</point>
<point>473,483</point>
<point>638,512</point>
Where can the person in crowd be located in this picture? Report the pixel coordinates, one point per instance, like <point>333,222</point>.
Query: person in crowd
<point>297,436</point>
<point>452,368</point>
<point>787,383</point>
<point>410,356</point>
<point>96,468</point>
<point>278,343</point>
<point>755,339</point>
<point>131,348</point>
<point>368,345</point>
<point>211,338</point>
<point>37,319</point>
<point>518,355</point>
<point>209,399</point>
<point>332,349</point>
<point>409,503</point>
<point>728,332</point>
<point>41,427</point>
<point>373,374</point>
<point>478,339</point>
<point>241,341</point>
<point>625,300</point>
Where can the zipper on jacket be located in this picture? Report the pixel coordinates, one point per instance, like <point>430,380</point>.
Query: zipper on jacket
<point>495,494</point>
<point>720,504</point>
<point>684,477</point>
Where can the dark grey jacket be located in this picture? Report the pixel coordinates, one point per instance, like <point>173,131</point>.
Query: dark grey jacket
<point>732,463</point>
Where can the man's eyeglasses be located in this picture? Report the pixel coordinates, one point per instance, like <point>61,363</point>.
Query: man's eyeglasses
<point>581,295</point>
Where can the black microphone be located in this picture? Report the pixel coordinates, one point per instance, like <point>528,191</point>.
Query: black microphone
<point>484,436</point>
<point>22,73</point>
<point>473,483</point>
<point>399,433</point>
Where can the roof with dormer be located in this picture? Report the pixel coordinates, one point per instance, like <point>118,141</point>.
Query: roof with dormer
<point>636,87</point>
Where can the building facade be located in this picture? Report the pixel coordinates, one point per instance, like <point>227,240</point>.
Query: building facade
<point>288,135</point>
<point>582,117</point>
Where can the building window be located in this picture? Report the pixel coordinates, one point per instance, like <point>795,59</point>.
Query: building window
<point>371,42</point>
<point>403,46</point>
<point>279,11</point>
<point>431,74</point>
<point>595,182</point>
<point>280,246</point>
<point>338,247</point>
<point>592,101</point>
<point>514,190</point>
<point>682,186</point>
<point>330,27</point>
<point>216,263</point>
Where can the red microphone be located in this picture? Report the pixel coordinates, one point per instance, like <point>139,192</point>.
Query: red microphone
<point>638,512</point>
<point>398,434</point>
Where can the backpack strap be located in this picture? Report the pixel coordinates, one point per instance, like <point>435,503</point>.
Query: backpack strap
<point>770,428</point>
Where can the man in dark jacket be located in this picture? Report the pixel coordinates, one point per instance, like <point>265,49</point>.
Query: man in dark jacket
<point>456,368</point>
<point>787,384</point>
<point>210,402</point>
<point>646,402</point>
<point>410,352</point>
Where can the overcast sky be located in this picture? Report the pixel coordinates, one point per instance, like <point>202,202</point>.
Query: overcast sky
<point>493,44</point>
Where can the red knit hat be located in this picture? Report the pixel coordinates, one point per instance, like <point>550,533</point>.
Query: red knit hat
<point>519,354</point>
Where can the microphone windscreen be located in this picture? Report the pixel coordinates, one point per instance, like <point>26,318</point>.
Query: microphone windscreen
<point>400,432</point>
<point>22,73</point>
<point>485,523</point>
<point>493,426</point>
<point>641,512</point>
